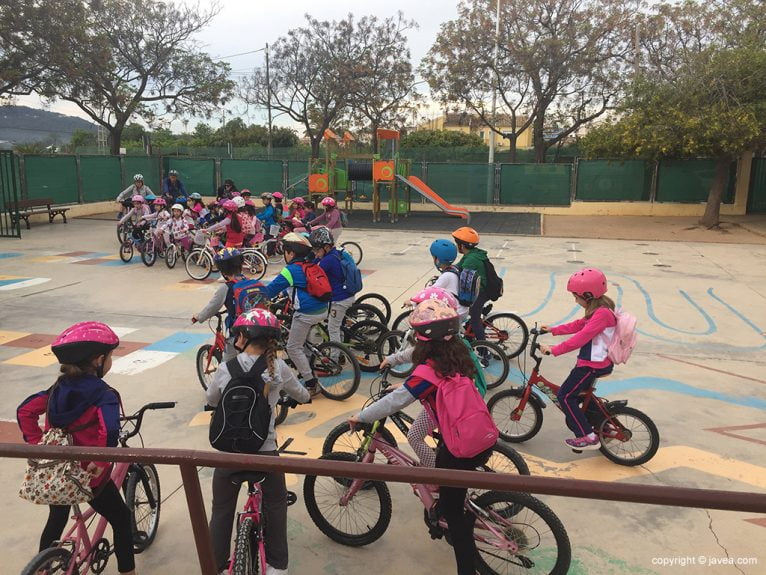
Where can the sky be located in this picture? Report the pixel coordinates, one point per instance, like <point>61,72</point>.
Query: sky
<point>247,25</point>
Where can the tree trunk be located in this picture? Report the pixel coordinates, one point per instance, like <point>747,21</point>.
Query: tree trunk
<point>115,140</point>
<point>711,218</point>
<point>512,148</point>
<point>539,141</point>
<point>374,129</point>
<point>315,141</point>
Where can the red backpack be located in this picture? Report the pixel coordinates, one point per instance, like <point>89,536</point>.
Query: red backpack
<point>464,421</point>
<point>317,283</point>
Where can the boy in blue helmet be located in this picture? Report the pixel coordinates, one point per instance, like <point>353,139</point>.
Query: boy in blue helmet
<point>444,253</point>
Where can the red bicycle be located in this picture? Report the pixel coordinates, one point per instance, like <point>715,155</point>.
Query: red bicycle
<point>628,436</point>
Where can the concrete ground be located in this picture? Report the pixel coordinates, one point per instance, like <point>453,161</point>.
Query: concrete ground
<point>698,372</point>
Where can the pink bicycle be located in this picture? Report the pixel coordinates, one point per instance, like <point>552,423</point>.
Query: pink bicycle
<point>79,551</point>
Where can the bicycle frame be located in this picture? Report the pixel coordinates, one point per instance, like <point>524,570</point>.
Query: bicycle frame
<point>219,343</point>
<point>252,509</point>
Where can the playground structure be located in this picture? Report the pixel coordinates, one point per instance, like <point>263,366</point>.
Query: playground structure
<point>389,174</point>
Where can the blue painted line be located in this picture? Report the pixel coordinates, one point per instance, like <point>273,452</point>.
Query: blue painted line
<point>179,342</point>
<point>6,255</point>
<point>736,312</point>
<point>13,281</point>
<point>135,260</point>
<point>551,287</point>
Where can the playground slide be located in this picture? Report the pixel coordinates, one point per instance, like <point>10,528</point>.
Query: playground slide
<point>422,188</point>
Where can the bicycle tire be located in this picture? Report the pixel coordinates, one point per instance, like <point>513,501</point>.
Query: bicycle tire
<point>381,303</point>
<point>511,513</point>
<point>53,557</point>
<point>339,440</point>
<point>126,251</point>
<point>272,251</point>
<point>148,253</point>
<point>254,263</point>
<point>123,231</point>
<point>205,379</point>
<point>321,492</point>
<point>363,339</point>
<point>330,371</point>
<point>171,256</point>
<point>144,509</point>
<point>281,414</point>
<point>355,250</point>
<point>390,343</point>
<point>610,447</point>
<point>502,405</point>
<point>199,264</point>
<point>497,368</point>
<point>402,321</point>
<point>512,333</point>
<point>245,559</point>
<point>362,311</point>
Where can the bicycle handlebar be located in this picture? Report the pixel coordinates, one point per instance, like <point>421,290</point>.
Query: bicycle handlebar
<point>138,417</point>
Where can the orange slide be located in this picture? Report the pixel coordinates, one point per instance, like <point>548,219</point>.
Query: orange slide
<point>422,188</point>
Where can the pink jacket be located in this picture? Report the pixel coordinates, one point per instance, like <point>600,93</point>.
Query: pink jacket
<point>329,218</point>
<point>592,337</point>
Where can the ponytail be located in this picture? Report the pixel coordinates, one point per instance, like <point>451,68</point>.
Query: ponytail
<point>597,302</point>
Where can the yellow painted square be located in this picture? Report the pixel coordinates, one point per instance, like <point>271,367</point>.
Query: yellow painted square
<point>11,278</point>
<point>6,336</point>
<point>48,259</point>
<point>42,357</point>
<point>202,418</point>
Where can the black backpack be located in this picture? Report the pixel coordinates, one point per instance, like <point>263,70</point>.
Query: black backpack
<point>494,282</point>
<point>240,423</point>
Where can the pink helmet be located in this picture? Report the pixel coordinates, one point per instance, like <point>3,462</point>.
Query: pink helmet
<point>83,341</point>
<point>435,293</point>
<point>434,319</point>
<point>588,283</point>
<point>230,206</point>
<point>299,201</point>
<point>249,203</point>
<point>197,208</point>
<point>160,202</point>
<point>328,201</point>
<point>277,195</point>
<point>257,323</point>
<point>138,198</point>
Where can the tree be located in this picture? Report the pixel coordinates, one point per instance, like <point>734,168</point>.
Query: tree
<point>284,137</point>
<point>82,138</point>
<point>440,139</point>
<point>137,58</point>
<point>559,63</point>
<point>133,132</point>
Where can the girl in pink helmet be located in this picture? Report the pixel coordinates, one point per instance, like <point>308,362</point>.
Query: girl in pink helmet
<point>138,211</point>
<point>83,403</point>
<point>592,334</point>
<point>330,218</point>
<point>231,223</point>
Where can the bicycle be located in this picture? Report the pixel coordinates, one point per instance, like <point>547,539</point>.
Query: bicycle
<point>249,555</point>
<point>153,247</point>
<point>617,425</point>
<point>78,551</point>
<point>504,328</point>
<point>200,263</point>
<point>209,356</point>
<point>172,252</point>
<point>379,302</point>
<point>124,230</point>
<point>505,525</point>
<point>140,238</point>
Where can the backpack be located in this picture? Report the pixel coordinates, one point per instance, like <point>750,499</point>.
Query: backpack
<point>241,421</point>
<point>352,277</point>
<point>317,283</point>
<point>465,424</point>
<point>494,282</point>
<point>243,295</point>
<point>624,338</point>
<point>468,285</point>
<point>343,219</point>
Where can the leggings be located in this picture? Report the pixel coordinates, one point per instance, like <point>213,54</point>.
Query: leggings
<point>109,504</point>
<point>420,428</point>
<point>579,379</point>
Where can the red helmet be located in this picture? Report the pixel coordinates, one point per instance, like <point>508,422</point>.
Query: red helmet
<point>434,319</point>
<point>83,341</point>
<point>588,283</point>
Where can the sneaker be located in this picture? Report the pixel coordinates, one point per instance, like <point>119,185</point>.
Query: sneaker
<point>274,571</point>
<point>313,386</point>
<point>484,361</point>
<point>584,443</point>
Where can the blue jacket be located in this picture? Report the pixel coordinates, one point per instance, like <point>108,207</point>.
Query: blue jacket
<point>331,266</point>
<point>292,276</point>
<point>175,191</point>
<point>267,216</point>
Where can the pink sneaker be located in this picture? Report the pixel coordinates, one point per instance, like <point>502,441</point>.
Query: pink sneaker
<point>584,443</point>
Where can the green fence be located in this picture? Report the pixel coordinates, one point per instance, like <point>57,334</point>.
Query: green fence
<point>149,167</point>
<point>100,178</point>
<point>52,177</point>
<point>460,183</point>
<point>756,202</point>
<point>614,181</point>
<point>258,176</point>
<point>198,175</point>
<point>535,184</point>
<point>689,181</point>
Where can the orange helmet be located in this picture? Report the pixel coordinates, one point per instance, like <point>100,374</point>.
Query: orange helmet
<point>466,235</point>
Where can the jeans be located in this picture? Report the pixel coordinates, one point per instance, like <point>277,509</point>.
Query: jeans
<point>274,512</point>
<point>299,331</point>
<point>477,325</point>
<point>579,379</point>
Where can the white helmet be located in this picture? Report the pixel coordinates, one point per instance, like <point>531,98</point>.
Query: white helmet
<point>138,178</point>
<point>177,207</point>
<point>239,200</point>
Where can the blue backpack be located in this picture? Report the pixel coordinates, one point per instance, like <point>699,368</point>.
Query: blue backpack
<point>243,295</point>
<point>352,277</point>
<point>469,284</point>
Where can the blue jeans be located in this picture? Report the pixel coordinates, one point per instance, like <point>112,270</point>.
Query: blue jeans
<point>475,321</point>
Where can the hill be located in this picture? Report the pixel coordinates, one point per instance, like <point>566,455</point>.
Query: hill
<point>22,125</point>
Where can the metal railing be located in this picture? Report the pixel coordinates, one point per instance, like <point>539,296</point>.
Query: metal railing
<point>188,460</point>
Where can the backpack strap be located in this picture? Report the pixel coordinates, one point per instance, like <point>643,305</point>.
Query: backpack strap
<point>236,371</point>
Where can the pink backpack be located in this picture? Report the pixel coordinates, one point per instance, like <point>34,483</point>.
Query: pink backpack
<point>624,338</point>
<point>464,421</point>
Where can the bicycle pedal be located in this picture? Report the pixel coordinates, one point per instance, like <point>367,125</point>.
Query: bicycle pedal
<point>292,498</point>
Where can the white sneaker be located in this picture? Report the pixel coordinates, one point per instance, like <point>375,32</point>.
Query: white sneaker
<point>274,571</point>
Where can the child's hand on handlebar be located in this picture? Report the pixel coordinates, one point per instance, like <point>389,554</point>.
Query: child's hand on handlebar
<point>353,421</point>
<point>544,349</point>
<point>194,319</point>
<point>544,329</point>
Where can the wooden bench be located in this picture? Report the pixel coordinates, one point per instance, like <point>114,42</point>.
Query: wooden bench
<point>27,208</point>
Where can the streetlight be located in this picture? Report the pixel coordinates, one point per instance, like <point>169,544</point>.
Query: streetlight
<point>491,159</point>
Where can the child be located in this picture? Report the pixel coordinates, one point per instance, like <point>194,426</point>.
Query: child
<point>178,227</point>
<point>255,333</point>
<point>248,221</point>
<point>310,213</point>
<point>330,218</point>
<point>138,211</point>
<point>231,222</point>
<point>309,311</point>
<point>157,218</point>
<point>279,210</point>
<point>473,258</point>
<point>436,324</point>
<point>82,402</point>
<point>137,188</point>
<point>592,335</point>
<point>266,215</point>
<point>444,253</point>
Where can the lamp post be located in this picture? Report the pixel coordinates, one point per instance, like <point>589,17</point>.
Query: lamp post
<point>491,159</point>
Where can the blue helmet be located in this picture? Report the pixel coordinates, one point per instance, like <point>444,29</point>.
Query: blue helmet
<point>181,200</point>
<point>444,251</point>
<point>150,197</point>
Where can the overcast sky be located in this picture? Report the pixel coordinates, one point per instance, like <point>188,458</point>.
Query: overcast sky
<point>245,25</point>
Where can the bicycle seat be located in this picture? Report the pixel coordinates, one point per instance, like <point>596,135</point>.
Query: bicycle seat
<point>249,476</point>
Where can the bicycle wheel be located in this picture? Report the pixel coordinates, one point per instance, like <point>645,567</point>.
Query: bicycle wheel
<point>142,495</point>
<point>393,342</point>
<point>361,521</point>
<point>148,253</point>
<point>206,371</point>
<point>519,427</point>
<point>254,264</point>
<point>171,256</point>
<point>50,561</point>
<point>340,440</point>
<point>123,231</point>
<point>363,339</point>
<point>363,311</point>
<point>126,251</point>
<point>378,301</point>
<point>273,251</point>
<point>493,361</point>
<point>199,264</point>
<point>402,321</point>
<point>246,549</point>
<point>541,541</point>
<point>336,369</point>
<point>355,250</point>
<point>633,442</point>
<point>508,331</point>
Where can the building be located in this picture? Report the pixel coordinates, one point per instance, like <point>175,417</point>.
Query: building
<point>472,124</point>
